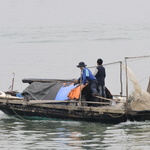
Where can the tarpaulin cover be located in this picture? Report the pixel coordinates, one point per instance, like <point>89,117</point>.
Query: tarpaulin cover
<point>48,91</point>
<point>57,91</point>
<point>64,91</point>
<point>42,91</point>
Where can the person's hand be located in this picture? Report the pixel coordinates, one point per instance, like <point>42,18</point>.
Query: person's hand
<point>76,82</point>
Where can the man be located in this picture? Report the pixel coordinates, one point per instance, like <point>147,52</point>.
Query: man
<point>86,75</point>
<point>100,75</point>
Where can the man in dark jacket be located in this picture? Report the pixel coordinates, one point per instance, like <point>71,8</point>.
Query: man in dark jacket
<point>87,76</point>
<point>100,75</point>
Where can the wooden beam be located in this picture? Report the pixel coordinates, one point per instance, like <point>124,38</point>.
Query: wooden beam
<point>100,109</point>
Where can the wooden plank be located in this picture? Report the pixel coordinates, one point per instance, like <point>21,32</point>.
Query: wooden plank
<point>100,109</point>
<point>12,101</point>
<point>67,101</point>
<point>10,97</point>
<point>48,101</point>
<point>30,80</point>
<point>31,102</point>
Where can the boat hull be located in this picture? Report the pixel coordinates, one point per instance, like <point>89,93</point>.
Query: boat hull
<point>79,114</point>
<point>69,111</point>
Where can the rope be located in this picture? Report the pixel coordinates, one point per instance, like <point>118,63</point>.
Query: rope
<point>17,114</point>
<point>144,78</point>
<point>45,113</point>
<point>22,117</point>
<point>116,116</point>
<point>110,99</point>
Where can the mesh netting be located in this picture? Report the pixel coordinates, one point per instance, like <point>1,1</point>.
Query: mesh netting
<point>139,100</point>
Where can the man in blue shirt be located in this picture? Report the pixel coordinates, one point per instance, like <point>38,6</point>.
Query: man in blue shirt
<point>87,76</point>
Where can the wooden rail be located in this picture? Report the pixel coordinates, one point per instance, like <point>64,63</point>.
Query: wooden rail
<point>52,104</point>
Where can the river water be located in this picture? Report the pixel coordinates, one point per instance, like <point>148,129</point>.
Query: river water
<point>72,135</point>
<point>47,39</point>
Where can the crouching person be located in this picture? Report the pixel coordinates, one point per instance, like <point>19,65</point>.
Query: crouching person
<point>87,76</point>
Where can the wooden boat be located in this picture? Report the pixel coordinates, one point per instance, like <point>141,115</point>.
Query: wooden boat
<point>70,109</point>
<point>58,109</point>
<point>114,109</point>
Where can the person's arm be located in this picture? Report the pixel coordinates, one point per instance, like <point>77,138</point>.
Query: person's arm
<point>84,77</point>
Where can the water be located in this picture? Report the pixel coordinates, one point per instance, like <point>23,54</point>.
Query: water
<point>47,39</point>
<point>66,135</point>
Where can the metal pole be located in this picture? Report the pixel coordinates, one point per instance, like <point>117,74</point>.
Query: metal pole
<point>80,87</point>
<point>106,64</point>
<point>138,57</point>
<point>121,78</point>
<point>126,70</point>
<point>12,86</point>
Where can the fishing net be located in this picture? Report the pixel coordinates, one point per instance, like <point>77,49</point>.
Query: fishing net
<point>139,100</point>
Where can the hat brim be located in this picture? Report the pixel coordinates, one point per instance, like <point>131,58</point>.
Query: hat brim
<point>81,66</point>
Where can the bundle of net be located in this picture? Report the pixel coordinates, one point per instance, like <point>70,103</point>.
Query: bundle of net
<point>139,100</point>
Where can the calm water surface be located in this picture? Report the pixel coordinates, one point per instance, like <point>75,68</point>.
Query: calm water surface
<point>47,39</point>
<point>66,135</point>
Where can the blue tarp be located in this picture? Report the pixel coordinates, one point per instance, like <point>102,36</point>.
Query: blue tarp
<point>19,95</point>
<point>63,92</point>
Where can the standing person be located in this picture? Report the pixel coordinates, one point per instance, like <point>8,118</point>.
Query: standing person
<point>100,75</point>
<point>86,75</point>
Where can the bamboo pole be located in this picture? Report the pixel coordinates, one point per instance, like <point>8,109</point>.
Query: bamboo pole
<point>13,79</point>
<point>126,73</point>
<point>138,57</point>
<point>80,87</point>
<point>106,64</point>
<point>148,88</point>
<point>126,70</point>
<point>30,80</point>
<point>121,83</point>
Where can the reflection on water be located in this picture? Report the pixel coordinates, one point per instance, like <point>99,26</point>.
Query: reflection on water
<point>129,135</point>
<point>52,134</point>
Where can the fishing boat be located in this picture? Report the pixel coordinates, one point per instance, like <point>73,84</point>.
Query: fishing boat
<point>61,99</point>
